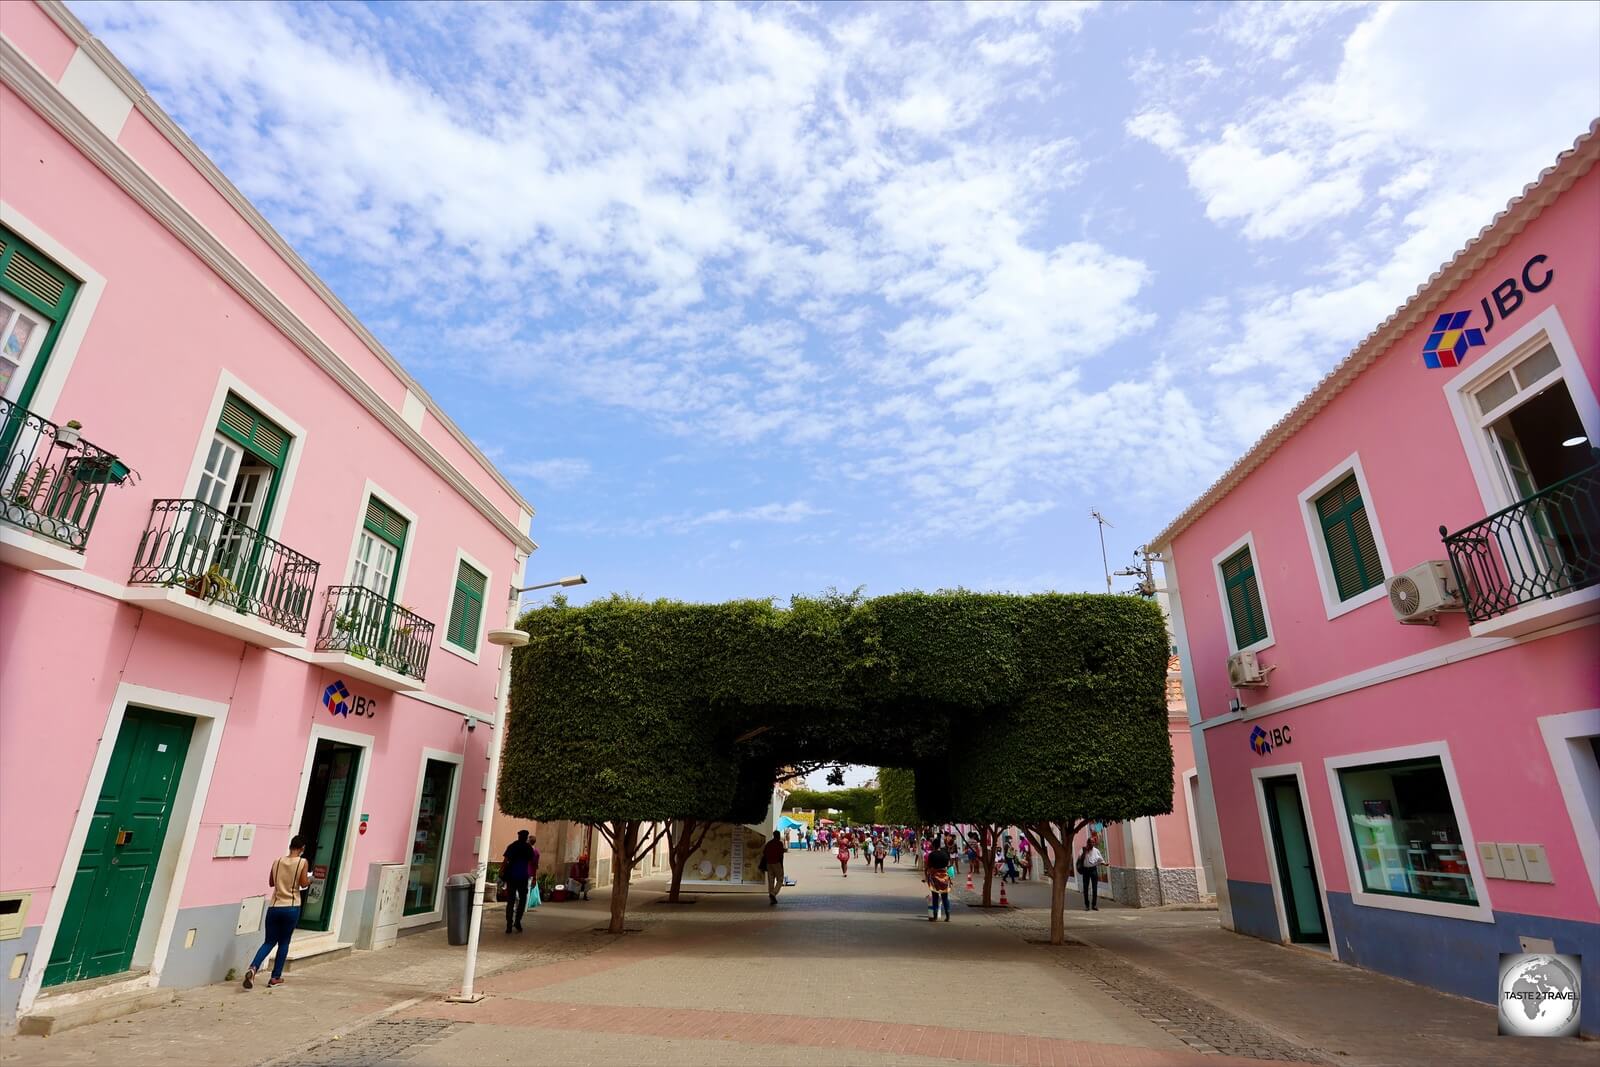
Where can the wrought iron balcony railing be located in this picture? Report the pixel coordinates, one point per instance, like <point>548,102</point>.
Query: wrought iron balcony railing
<point>1538,548</point>
<point>219,559</point>
<point>367,625</point>
<point>51,480</point>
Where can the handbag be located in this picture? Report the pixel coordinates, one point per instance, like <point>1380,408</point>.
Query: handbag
<point>762,866</point>
<point>534,899</point>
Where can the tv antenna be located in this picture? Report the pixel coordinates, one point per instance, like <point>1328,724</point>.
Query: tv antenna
<point>1104,563</point>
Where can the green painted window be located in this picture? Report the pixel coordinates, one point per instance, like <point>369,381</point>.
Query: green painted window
<point>1244,599</point>
<point>386,523</point>
<point>466,608</point>
<point>254,432</point>
<point>34,297</point>
<point>1352,552</point>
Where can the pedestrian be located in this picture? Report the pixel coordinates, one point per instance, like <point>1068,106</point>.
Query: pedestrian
<point>1027,859</point>
<point>772,863</point>
<point>1089,861</point>
<point>289,875</point>
<point>1013,867</point>
<point>894,849</point>
<point>578,877</point>
<point>844,858</point>
<point>936,872</point>
<point>877,857</point>
<point>518,866</point>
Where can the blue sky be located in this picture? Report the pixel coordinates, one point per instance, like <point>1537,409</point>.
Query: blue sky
<point>762,300</point>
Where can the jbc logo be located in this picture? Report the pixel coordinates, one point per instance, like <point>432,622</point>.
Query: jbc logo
<point>1452,337</point>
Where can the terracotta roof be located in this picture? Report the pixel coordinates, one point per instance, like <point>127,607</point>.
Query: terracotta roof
<point>1522,209</point>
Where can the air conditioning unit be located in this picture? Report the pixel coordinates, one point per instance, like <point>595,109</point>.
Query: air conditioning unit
<point>1419,594</point>
<point>1245,671</point>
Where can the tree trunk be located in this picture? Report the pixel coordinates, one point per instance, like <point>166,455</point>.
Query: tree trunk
<point>624,834</point>
<point>1058,894</point>
<point>988,880</point>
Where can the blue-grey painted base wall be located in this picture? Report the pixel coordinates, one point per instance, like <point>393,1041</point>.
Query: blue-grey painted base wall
<point>11,992</point>
<point>1454,955</point>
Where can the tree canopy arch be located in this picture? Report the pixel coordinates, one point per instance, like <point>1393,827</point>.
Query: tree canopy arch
<point>1019,709</point>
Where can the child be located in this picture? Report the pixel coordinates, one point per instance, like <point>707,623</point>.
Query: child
<point>894,850</point>
<point>844,859</point>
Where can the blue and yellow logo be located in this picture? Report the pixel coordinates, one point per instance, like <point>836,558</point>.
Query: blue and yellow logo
<point>1259,742</point>
<point>1450,341</point>
<point>336,698</point>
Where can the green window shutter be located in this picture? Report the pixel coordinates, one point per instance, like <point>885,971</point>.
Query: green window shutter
<point>465,608</point>
<point>1352,551</point>
<point>33,279</point>
<point>255,433</point>
<point>1244,599</point>
<point>386,524</point>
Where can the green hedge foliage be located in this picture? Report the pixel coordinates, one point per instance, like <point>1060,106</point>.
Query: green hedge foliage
<point>1007,708</point>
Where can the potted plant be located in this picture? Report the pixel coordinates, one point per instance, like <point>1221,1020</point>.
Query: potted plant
<point>358,650</point>
<point>67,436</point>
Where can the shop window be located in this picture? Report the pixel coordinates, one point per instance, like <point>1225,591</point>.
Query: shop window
<point>1347,532</point>
<point>1244,599</point>
<point>1404,830</point>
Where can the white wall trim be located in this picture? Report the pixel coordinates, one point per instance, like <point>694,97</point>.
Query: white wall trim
<point>1482,911</point>
<point>370,490</point>
<point>1284,770</point>
<point>436,913</point>
<point>1579,780</point>
<point>94,93</point>
<point>1247,541</point>
<point>1546,325</point>
<point>166,889</point>
<point>1323,565</point>
<point>1426,660</point>
<point>321,732</point>
<point>92,285</point>
<point>228,382</point>
<point>19,73</point>
<point>1191,794</point>
<point>469,654</point>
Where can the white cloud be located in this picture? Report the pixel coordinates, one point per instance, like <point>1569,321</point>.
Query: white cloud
<point>555,473</point>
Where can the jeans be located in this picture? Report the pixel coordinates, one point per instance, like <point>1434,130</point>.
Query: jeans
<point>516,901</point>
<point>1091,889</point>
<point>280,924</point>
<point>935,898</point>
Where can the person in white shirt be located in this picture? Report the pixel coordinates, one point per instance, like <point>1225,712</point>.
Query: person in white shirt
<point>1089,861</point>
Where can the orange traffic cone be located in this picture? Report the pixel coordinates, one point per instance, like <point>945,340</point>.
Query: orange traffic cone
<point>969,879</point>
<point>1004,903</point>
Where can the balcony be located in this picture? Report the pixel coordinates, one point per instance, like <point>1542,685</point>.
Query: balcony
<point>1535,564</point>
<point>368,635</point>
<point>197,564</point>
<point>51,485</point>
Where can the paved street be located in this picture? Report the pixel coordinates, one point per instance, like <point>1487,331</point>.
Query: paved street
<point>843,971</point>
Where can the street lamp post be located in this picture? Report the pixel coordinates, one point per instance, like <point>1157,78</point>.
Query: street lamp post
<point>508,638</point>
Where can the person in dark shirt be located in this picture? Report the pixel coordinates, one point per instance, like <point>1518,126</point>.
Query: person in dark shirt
<point>519,866</point>
<point>772,862</point>
<point>936,872</point>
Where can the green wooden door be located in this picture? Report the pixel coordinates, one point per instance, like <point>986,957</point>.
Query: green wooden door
<point>112,886</point>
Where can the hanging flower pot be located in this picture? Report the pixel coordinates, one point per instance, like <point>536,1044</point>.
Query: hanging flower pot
<point>67,436</point>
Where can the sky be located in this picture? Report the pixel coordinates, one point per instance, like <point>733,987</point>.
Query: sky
<point>766,300</point>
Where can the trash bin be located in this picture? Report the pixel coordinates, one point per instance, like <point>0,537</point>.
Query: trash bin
<point>458,908</point>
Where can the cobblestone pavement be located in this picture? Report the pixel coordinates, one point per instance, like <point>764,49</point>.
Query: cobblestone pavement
<point>843,971</point>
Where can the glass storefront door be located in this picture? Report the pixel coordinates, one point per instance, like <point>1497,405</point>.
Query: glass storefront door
<point>324,821</point>
<point>427,845</point>
<point>1297,865</point>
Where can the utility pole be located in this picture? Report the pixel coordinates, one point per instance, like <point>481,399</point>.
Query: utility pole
<point>1104,563</point>
<point>1144,570</point>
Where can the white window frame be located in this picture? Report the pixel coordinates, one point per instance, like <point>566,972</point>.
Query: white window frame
<point>91,286</point>
<point>228,382</point>
<point>471,655</point>
<point>1247,541</point>
<point>1459,393</point>
<point>422,918</point>
<point>388,499</point>
<point>1283,770</point>
<point>1331,603</point>
<point>1579,780</point>
<point>1482,911</point>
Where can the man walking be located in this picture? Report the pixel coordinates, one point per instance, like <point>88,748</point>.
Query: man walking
<point>936,872</point>
<point>1089,861</point>
<point>519,865</point>
<point>772,863</point>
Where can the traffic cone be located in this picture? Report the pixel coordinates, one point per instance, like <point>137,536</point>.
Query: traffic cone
<point>1004,903</point>
<point>969,879</point>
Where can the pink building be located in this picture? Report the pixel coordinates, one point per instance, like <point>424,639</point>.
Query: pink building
<point>1387,611</point>
<point>276,625</point>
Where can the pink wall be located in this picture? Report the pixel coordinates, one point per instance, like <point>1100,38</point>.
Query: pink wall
<point>1395,415</point>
